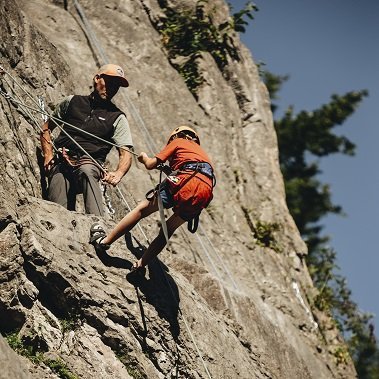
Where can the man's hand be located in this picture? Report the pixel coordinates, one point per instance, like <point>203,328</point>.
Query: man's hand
<point>113,178</point>
<point>125,161</point>
<point>48,162</point>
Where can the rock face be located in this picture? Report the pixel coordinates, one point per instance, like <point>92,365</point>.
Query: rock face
<point>225,303</point>
<point>11,364</point>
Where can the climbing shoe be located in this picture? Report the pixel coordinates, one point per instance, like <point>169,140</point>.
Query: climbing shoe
<point>96,235</point>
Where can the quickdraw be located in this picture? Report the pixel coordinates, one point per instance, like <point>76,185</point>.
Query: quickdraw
<point>107,199</point>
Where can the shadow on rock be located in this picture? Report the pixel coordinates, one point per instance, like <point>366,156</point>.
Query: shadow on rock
<point>110,261</point>
<point>160,289</point>
<point>137,250</point>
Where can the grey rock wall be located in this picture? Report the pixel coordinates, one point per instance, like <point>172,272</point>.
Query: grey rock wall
<point>11,364</point>
<point>217,304</point>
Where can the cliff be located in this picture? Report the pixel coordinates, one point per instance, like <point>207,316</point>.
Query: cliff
<point>232,301</point>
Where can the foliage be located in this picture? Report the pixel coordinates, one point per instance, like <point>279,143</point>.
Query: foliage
<point>60,368</point>
<point>334,295</point>
<point>274,84</point>
<point>237,21</point>
<point>301,137</point>
<point>130,365</point>
<point>188,32</point>
<point>71,320</point>
<point>366,354</point>
<point>263,232</point>
<point>23,349</point>
<point>34,354</point>
<point>305,135</point>
<point>341,354</point>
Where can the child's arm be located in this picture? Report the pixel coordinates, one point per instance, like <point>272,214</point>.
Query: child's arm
<point>149,163</point>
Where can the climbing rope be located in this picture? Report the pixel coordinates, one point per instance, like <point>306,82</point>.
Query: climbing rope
<point>94,42</point>
<point>92,37</point>
<point>40,109</point>
<point>219,258</point>
<point>15,99</point>
<point>98,51</point>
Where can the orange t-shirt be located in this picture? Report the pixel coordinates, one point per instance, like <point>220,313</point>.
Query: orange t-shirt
<point>190,196</point>
<point>180,151</point>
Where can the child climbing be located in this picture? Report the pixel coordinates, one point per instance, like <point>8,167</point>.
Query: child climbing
<point>187,190</point>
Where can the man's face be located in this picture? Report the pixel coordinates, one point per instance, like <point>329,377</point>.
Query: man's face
<point>106,86</point>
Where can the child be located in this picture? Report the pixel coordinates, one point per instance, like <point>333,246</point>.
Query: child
<point>188,190</point>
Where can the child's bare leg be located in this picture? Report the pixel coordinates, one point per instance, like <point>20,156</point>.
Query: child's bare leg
<point>142,210</point>
<point>160,241</point>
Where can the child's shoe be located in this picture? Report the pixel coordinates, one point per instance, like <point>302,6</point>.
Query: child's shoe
<point>96,235</point>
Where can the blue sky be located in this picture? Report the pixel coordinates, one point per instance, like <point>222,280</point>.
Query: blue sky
<point>327,47</point>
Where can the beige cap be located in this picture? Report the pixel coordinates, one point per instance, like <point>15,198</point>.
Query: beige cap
<point>114,70</point>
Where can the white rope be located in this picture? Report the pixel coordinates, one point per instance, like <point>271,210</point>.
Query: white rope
<point>104,60</point>
<point>140,122</point>
<point>295,286</point>
<point>219,258</point>
<point>129,208</point>
<point>90,34</point>
<point>215,270</point>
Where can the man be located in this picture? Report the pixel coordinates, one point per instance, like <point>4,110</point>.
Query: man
<point>71,171</point>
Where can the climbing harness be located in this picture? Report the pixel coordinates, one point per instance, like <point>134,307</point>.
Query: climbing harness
<point>201,168</point>
<point>192,169</point>
<point>195,168</point>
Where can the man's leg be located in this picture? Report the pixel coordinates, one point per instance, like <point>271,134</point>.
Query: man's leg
<point>88,176</point>
<point>59,188</point>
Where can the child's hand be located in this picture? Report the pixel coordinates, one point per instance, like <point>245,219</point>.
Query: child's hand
<point>142,157</point>
<point>149,163</point>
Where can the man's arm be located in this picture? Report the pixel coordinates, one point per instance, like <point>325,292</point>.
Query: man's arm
<point>47,128</point>
<point>46,145</point>
<point>124,163</point>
